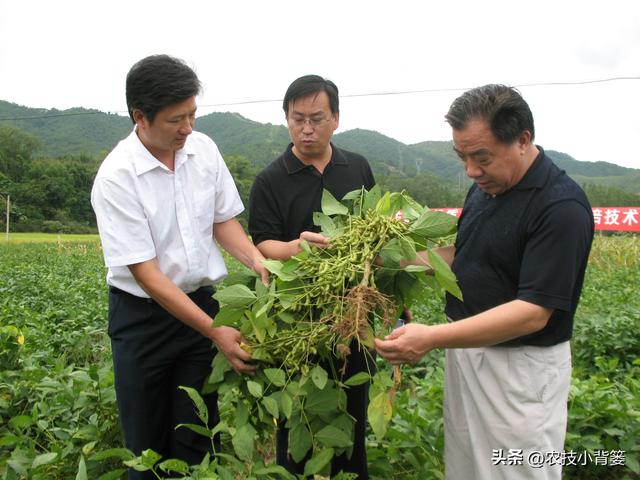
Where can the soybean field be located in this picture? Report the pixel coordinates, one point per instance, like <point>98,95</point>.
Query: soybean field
<point>58,415</point>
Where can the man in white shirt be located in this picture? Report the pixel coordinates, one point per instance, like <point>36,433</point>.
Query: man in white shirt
<point>163,198</point>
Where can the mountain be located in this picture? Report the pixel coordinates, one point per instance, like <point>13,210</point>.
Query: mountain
<point>78,130</point>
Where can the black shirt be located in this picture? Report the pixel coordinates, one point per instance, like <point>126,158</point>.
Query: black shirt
<point>530,243</point>
<point>286,192</point>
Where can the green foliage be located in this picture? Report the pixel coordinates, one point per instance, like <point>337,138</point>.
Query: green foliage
<point>322,303</point>
<point>16,152</point>
<point>76,140</point>
<point>58,418</point>
<point>57,401</point>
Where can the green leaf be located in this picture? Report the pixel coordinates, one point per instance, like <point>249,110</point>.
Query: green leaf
<point>88,448</point>
<point>235,296</point>
<point>199,429</point>
<point>82,469</point>
<point>391,253</point>
<point>46,458</point>
<point>254,388</point>
<point>286,317</point>
<point>121,453</point>
<point>434,224</point>
<point>286,404</point>
<point>174,465</point>
<point>319,376</point>
<point>379,414</point>
<point>201,408</point>
<point>407,248</point>
<point>331,436</point>
<point>113,474</point>
<point>326,224</point>
<point>21,422</point>
<point>316,463</point>
<point>228,317</point>
<point>384,205</point>
<point>149,458</point>
<point>271,405</point>
<point>219,367</point>
<point>300,441</point>
<point>8,440</point>
<point>353,194</point>
<point>444,276</point>
<point>322,401</point>
<point>371,198</point>
<point>277,469</point>
<point>243,442</point>
<point>331,206</point>
<point>276,376</point>
<point>277,268</point>
<point>358,379</point>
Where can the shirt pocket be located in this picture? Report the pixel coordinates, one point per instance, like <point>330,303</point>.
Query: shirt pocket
<point>205,209</point>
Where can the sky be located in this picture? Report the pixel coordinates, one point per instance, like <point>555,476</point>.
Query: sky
<point>76,53</point>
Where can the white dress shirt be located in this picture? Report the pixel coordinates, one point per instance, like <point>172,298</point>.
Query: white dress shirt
<point>146,211</point>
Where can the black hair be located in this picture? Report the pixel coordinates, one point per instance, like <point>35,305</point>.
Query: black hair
<point>502,107</point>
<point>312,84</point>
<point>158,81</point>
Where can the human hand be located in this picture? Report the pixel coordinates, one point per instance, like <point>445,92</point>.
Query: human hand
<point>407,344</point>
<point>260,269</point>
<point>314,239</point>
<point>227,340</point>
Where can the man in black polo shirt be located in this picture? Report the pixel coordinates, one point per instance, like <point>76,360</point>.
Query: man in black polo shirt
<point>520,256</point>
<point>281,204</point>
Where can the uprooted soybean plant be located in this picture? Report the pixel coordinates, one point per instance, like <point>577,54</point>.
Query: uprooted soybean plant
<point>321,304</point>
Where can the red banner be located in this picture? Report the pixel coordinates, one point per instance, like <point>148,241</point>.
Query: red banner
<point>621,219</point>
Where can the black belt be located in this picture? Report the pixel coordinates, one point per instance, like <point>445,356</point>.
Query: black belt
<point>118,291</point>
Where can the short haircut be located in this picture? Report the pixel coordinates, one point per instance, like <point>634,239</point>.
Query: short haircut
<point>158,81</point>
<point>309,84</point>
<point>502,107</point>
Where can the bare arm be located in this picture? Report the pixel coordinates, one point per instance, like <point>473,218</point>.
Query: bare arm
<point>285,250</point>
<point>159,287</point>
<point>232,237</point>
<point>514,319</point>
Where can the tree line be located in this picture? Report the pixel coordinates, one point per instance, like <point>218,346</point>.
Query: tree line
<point>53,194</point>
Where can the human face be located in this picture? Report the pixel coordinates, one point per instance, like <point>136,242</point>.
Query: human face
<point>169,130</point>
<point>494,166</point>
<point>311,126</point>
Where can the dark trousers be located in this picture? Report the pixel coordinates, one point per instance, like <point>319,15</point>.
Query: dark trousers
<point>154,354</point>
<point>357,403</point>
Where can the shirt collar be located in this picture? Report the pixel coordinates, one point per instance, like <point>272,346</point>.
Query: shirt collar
<point>294,165</point>
<point>144,162</point>
<point>537,174</point>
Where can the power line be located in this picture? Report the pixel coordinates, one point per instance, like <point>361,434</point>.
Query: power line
<point>352,95</point>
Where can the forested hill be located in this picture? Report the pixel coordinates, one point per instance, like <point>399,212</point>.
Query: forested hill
<point>90,132</point>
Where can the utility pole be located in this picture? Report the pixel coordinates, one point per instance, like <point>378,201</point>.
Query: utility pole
<point>8,211</point>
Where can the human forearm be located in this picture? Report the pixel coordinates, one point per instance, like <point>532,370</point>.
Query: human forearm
<point>232,237</point>
<point>280,250</point>
<point>499,324</point>
<point>511,320</point>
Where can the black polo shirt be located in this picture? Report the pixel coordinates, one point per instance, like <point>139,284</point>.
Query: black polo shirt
<point>530,243</point>
<point>286,192</point>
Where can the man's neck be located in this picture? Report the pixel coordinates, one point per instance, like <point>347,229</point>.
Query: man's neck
<point>319,163</point>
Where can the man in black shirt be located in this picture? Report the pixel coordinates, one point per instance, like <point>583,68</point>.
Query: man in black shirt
<point>520,256</point>
<point>281,204</point>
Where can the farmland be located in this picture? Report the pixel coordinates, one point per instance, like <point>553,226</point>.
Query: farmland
<point>57,403</point>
